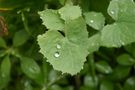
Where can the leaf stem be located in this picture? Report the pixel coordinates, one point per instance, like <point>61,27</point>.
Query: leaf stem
<point>25,22</point>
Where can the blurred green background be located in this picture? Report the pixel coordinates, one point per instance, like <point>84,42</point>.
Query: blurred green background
<point>22,67</point>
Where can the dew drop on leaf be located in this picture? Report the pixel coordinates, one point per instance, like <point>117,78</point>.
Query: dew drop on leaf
<point>91,21</point>
<point>112,12</point>
<point>58,46</point>
<point>56,54</point>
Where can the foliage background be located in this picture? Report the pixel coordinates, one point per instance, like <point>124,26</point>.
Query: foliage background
<point>24,68</point>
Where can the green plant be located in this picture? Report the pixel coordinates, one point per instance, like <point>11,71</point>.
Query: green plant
<point>89,44</point>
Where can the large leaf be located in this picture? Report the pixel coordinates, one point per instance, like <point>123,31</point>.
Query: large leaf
<point>68,53</point>
<point>70,12</point>
<point>122,31</point>
<point>51,19</point>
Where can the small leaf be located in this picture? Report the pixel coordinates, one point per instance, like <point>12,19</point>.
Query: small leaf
<point>125,59</point>
<point>95,20</point>
<point>130,84</point>
<point>103,67</point>
<point>6,66</point>
<point>120,72</point>
<point>130,48</point>
<point>27,86</point>
<point>70,12</point>
<point>2,43</point>
<point>90,82</point>
<point>106,85</point>
<point>31,69</point>
<point>20,38</point>
<point>51,19</point>
<point>5,72</point>
<point>2,53</point>
<point>94,43</point>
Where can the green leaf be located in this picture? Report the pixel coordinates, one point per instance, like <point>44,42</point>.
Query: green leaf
<point>130,49</point>
<point>95,20</point>
<point>106,85</point>
<point>51,19</point>
<point>103,67</point>
<point>53,75</point>
<point>90,82</point>
<point>62,2</point>
<point>87,88</point>
<point>2,53</point>
<point>118,34</point>
<point>2,43</point>
<point>122,31</point>
<point>55,87</point>
<point>122,10</point>
<point>27,86</point>
<point>31,69</point>
<point>70,12</point>
<point>130,84</point>
<point>66,54</point>
<point>120,72</point>
<point>76,32</point>
<point>94,43</point>
<point>5,72</point>
<point>6,66</point>
<point>125,59</point>
<point>20,38</point>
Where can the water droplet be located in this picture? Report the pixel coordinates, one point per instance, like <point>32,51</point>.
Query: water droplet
<point>81,67</point>
<point>58,46</point>
<point>56,54</point>
<point>122,42</point>
<point>91,21</point>
<point>112,12</point>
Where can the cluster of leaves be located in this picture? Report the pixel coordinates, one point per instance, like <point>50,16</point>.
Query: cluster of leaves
<point>68,37</point>
<point>80,37</point>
